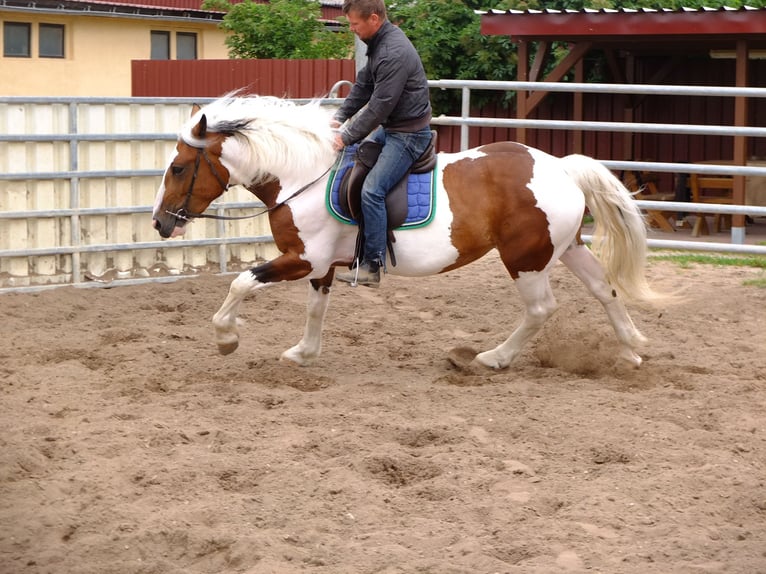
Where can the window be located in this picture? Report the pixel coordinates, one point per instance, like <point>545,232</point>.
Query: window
<point>186,46</point>
<point>51,41</point>
<point>16,39</point>
<point>160,45</point>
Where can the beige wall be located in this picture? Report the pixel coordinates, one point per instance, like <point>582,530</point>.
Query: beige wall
<point>98,54</point>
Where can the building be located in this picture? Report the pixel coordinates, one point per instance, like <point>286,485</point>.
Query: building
<point>85,48</point>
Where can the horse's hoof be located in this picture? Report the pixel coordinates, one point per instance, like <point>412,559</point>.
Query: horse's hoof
<point>462,360</point>
<point>227,348</point>
<point>294,356</point>
<point>631,358</point>
<point>488,360</point>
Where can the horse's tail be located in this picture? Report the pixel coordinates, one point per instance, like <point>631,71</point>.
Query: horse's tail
<point>619,236</point>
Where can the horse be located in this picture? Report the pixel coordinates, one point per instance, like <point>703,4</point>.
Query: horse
<point>521,201</point>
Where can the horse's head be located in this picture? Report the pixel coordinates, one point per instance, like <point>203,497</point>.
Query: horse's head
<point>192,180</point>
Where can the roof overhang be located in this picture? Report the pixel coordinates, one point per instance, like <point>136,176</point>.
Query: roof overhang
<point>111,9</point>
<point>159,9</point>
<point>633,29</point>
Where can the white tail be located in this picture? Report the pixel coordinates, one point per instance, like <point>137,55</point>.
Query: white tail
<point>619,236</point>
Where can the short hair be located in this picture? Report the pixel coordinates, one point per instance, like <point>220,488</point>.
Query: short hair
<point>365,8</point>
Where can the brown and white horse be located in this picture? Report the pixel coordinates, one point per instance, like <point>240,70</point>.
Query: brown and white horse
<point>506,196</point>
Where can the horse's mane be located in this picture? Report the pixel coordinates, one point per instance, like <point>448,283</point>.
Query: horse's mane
<point>274,134</point>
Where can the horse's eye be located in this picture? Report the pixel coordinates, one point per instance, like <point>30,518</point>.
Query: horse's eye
<point>177,169</point>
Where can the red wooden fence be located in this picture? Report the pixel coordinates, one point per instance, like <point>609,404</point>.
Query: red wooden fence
<point>214,78</point>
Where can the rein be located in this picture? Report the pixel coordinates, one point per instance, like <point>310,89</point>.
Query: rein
<point>184,215</point>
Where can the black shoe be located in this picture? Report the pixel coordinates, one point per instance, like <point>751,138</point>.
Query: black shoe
<point>367,274</point>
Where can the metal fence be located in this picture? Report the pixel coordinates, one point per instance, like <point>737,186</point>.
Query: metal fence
<point>79,177</point>
<point>737,244</point>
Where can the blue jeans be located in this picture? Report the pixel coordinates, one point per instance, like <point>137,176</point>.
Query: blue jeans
<point>400,151</point>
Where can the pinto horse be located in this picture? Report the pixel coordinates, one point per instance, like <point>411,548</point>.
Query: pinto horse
<point>506,196</point>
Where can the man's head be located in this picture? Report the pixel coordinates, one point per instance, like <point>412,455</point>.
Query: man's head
<point>365,17</point>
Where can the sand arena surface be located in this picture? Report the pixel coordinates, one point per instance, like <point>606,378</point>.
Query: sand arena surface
<point>129,445</point>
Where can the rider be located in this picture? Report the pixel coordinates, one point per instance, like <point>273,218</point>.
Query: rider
<point>391,91</point>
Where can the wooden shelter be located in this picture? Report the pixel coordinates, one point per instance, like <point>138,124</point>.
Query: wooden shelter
<point>653,44</point>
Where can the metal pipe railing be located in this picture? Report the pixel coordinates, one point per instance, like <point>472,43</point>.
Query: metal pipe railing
<point>74,174</point>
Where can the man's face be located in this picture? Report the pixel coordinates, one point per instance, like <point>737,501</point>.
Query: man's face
<point>365,28</point>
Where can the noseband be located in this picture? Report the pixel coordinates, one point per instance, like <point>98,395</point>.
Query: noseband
<point>182,213</point>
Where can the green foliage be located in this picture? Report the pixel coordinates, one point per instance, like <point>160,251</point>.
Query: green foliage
<point>447,36</point>
<point>282,29</point>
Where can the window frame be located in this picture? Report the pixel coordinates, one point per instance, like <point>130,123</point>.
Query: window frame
<point>60,52</point>
<point>19,25</point>
<point>189,35</point>
<point>156,34</point>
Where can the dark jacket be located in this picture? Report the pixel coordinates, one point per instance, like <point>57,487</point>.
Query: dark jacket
<point>394,86</point>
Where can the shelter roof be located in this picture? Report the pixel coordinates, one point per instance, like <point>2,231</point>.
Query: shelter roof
<point>642,29</point>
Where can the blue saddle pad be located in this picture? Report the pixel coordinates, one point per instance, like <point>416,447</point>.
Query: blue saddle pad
<point>421,193</point>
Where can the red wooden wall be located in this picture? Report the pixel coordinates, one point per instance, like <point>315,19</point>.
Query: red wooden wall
<point>214,78</point>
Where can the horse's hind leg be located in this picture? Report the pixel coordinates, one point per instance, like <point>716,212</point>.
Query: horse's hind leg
<point>537,296</point>
<point>581,261</point>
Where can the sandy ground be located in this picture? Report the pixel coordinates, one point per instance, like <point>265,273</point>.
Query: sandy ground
<point>128,445</point>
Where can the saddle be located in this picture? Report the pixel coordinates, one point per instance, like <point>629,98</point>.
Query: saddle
<point>350,191</point>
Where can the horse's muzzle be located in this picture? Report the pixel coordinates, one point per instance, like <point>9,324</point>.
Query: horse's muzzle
<point>168,227</point>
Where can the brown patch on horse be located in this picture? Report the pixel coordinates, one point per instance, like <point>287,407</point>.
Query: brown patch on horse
<point>283,227</point>
<point>502,211</point>
<point>324,283</point>
<point>289,266</point>
<point>504,147</point>
<point>286,267</point>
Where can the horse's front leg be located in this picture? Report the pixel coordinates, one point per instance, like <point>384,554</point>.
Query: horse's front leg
<point>286,267</point>
<point>310,345</point>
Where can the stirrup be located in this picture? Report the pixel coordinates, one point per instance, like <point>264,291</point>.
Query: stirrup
<point>369,278</point>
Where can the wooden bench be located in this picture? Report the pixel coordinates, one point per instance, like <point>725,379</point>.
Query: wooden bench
<point>711,189</point>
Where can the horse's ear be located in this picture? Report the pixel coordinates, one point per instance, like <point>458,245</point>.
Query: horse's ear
<point>195,108</point>
<point>201,128</point>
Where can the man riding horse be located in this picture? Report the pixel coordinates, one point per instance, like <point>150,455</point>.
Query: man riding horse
<point>392,98</point>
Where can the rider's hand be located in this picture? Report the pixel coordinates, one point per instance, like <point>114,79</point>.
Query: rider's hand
<point>338,143</point>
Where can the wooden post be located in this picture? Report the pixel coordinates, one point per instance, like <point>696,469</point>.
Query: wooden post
<point>740,142</point>
<point>521,95</point>
<point>629,111</point>
<point>577,112</point>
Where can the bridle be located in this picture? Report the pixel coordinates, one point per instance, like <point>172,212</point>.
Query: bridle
<point>184,215</point>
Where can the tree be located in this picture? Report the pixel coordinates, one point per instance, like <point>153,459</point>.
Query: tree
<point>282,29</point>
<point>447,36</point>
